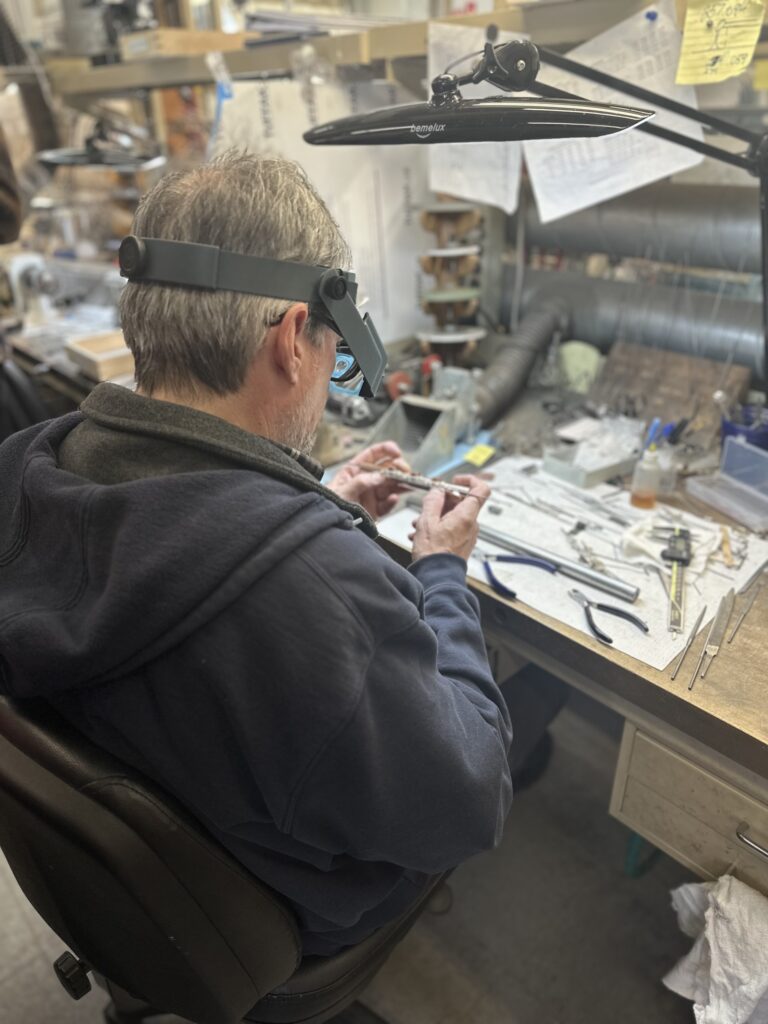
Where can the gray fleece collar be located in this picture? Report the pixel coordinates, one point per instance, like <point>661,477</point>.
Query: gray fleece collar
<point>117,408</point>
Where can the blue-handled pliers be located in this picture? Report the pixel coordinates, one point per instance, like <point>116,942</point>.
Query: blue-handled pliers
<point>610,609</point>
<point>496,583</point>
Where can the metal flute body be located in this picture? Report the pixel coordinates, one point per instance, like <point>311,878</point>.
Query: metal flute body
<point>415,480</point>
<point>576,571</point>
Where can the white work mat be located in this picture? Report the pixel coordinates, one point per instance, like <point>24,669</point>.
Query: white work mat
<point>549,593</point>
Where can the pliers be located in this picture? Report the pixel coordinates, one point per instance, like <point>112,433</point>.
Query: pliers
<point>496,583</point>
<point>610,609</point>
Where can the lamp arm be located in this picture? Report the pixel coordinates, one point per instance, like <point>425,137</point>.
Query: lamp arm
<point>742,160</point>
<point>655,99</point>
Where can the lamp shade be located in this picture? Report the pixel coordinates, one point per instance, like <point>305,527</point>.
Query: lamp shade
<point>491,119</point>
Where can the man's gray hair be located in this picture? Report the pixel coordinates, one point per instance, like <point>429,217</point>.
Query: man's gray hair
<point>186,340</point>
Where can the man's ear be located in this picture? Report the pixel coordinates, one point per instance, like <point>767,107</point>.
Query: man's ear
<point>288,346</point>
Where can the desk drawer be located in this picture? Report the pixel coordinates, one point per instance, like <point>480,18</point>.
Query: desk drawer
<point>688,811</point>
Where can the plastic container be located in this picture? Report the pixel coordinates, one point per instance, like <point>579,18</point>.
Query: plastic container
<point>667,471</point>
<point>645,480</point>
<point>740,488</point>
<point>754,429</point>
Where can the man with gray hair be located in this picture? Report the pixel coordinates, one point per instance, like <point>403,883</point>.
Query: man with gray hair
<point>181,586</point>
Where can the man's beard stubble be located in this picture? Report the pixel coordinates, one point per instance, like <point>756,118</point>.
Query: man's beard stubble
<point>301,433</point>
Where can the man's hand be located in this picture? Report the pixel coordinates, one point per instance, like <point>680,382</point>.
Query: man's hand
<point>448,524</point>
<point>374,492</point>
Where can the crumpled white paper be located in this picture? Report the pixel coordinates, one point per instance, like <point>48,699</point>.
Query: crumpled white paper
<point>726,971</point>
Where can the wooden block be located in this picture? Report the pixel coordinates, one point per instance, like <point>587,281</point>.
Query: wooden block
<point>101,356</point>
<point>172,42</point>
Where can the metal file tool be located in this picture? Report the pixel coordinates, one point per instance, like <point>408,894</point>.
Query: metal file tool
<point>715,637</point>
<point>688,642</point>
<point>746,611</point>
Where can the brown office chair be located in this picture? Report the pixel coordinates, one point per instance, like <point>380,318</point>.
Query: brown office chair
<point>165,918</point>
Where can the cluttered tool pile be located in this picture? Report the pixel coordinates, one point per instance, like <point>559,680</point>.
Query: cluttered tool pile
<point>645,578</point>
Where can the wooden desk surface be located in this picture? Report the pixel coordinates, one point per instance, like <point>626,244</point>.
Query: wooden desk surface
<point>727,711</point>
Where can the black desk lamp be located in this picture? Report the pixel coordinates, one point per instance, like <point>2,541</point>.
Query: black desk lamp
<point>448,117</point>
<point>512,67</point>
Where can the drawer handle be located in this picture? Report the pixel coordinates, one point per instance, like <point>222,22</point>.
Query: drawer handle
<point>741,835</point>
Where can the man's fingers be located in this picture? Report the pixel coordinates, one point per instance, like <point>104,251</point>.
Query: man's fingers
<point>432,506</point>
<point>478,489</point>
<point>363,482</point>
<point>388,504</point>
<point>386,452</point>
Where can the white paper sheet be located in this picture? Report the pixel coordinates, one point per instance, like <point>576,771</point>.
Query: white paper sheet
<point>549,594</point>
<point>374,193</point>
<point>571,175</point>
<point>483,172</point>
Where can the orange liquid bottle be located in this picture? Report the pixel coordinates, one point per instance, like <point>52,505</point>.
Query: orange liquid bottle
<point>645,480</point>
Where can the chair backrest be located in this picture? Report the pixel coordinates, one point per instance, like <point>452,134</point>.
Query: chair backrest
<point>20,405</point>
<point>130,881</point>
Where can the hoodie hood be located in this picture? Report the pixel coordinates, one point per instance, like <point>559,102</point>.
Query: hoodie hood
<point>98,579</point>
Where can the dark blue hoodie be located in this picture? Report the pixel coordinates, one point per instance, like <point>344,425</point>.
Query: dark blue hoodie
<point>191,598</point>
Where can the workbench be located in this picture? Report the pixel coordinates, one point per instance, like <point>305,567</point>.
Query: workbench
<point>693,766</point>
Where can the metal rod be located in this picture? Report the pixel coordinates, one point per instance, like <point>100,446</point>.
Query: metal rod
<point>688,642</point>
<point>746,611</point>
<point>715,152</point>
<point>698,666</point>
<point>576,571</point>
<point>646,95</point>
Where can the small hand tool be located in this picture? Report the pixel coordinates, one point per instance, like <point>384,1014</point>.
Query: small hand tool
<point>715,635</point>
<point>746,611</point>
<point>496,583</point>
<point>678,552</point>
<point>688,642</point>
<point>610,609</point>
<point>576,571</point>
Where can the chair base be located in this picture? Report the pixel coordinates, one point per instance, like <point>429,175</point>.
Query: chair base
<point>124,1008</point>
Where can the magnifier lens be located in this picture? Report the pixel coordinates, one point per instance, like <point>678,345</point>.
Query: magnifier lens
<point>347,378</point>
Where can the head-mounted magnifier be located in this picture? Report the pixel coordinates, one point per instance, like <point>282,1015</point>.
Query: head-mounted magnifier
<point>329,293</point>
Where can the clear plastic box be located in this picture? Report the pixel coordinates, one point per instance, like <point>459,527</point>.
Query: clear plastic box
<point>740,488</point>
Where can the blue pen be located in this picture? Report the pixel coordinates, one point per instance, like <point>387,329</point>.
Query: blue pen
<point>652,431</point>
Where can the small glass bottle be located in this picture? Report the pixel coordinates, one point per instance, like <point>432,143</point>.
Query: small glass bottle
<point>645,480</point>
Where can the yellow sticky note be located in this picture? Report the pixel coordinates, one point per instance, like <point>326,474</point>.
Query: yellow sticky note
<point>760,75</point>
<point>719,39</point>
<point>479,455</point>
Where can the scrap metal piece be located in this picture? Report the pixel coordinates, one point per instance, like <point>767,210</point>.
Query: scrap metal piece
<point>717,632</point>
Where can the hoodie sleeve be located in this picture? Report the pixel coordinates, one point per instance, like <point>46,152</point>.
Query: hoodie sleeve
<point>418,774</point>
